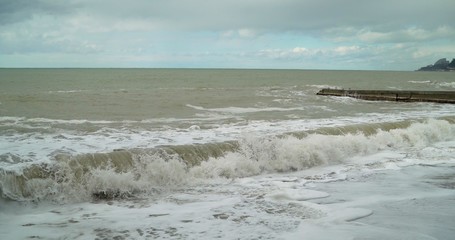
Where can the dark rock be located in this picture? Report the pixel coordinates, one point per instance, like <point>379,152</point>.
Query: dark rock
<point>452,64</point>
<point>440,65</point>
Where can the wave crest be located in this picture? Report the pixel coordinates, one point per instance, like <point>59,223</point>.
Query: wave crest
<point>126,172</point>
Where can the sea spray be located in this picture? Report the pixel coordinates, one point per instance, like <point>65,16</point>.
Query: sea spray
<point>289,153</point>
<point>127,172</point>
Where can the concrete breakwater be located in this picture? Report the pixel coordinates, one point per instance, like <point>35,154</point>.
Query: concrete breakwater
<point>393,95</point>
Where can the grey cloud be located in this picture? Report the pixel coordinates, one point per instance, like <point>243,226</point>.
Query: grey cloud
<point>12,11</point>
<point>411,34</point>
<point>395,57</point>
<point>284,15</point>
<point>266,15</point>
<point>102,26</point>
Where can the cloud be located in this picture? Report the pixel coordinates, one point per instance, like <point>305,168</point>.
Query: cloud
<point>43,35</point>
<point>13,11</point>
<point>411,34</point>
<point>224,15</point>
<point>284,15</point>
<point>308,53</point>
<point>219,31</point>
<point>316,17</point>
<point>390,57</point>
<point>240,33</point>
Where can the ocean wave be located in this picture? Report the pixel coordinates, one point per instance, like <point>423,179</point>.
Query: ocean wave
<point>126,172</point>
<point>69,91</point>
<point>240,110</point>
<point>39,141</point>
<point>321,86</point>
<point>447,84</point>
<point>420,82</point>
<point>24,120</point>
<point>435,83</point>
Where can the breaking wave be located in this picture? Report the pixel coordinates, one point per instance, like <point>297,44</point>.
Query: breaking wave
<point>447,85</point>
<point>239,110</point>
<point>126,172</point>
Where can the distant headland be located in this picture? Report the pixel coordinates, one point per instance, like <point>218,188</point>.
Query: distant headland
<point>440,65</point>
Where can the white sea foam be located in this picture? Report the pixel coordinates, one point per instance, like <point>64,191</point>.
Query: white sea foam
<point>259,155</point>
<point>255,156</point>
<point>321,86</point>
<point>447,84</point>
<point>435,83</point>
<point>48,136</point>
<point>240,110</point>
<point>378,204</point>
<point>421,82</point>
<point>68,91</point>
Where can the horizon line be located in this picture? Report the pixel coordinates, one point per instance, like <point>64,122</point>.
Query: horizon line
<point>213,68</point>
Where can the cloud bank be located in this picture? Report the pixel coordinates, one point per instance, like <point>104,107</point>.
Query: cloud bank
<point>341,34</point>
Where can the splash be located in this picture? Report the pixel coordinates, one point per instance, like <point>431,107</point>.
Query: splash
<point>125,173</point>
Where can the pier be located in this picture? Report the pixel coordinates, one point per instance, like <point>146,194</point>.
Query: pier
<point>393,95</point>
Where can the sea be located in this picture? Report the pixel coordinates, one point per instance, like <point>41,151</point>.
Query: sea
<point>223,154</point>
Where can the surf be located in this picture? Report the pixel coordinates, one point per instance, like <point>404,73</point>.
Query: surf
<point>126,172</point>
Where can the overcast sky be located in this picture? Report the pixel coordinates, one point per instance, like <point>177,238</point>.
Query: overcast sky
<point>302,34</point>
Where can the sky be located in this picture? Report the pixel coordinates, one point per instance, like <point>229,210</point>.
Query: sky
<point>277,34</point>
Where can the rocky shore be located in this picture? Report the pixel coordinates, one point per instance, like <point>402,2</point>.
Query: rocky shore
<point>441,65</point>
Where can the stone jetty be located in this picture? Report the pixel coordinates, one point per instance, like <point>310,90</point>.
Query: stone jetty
<point>392,95</point>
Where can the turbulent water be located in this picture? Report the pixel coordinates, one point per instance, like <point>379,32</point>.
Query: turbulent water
<point>203,153</point>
